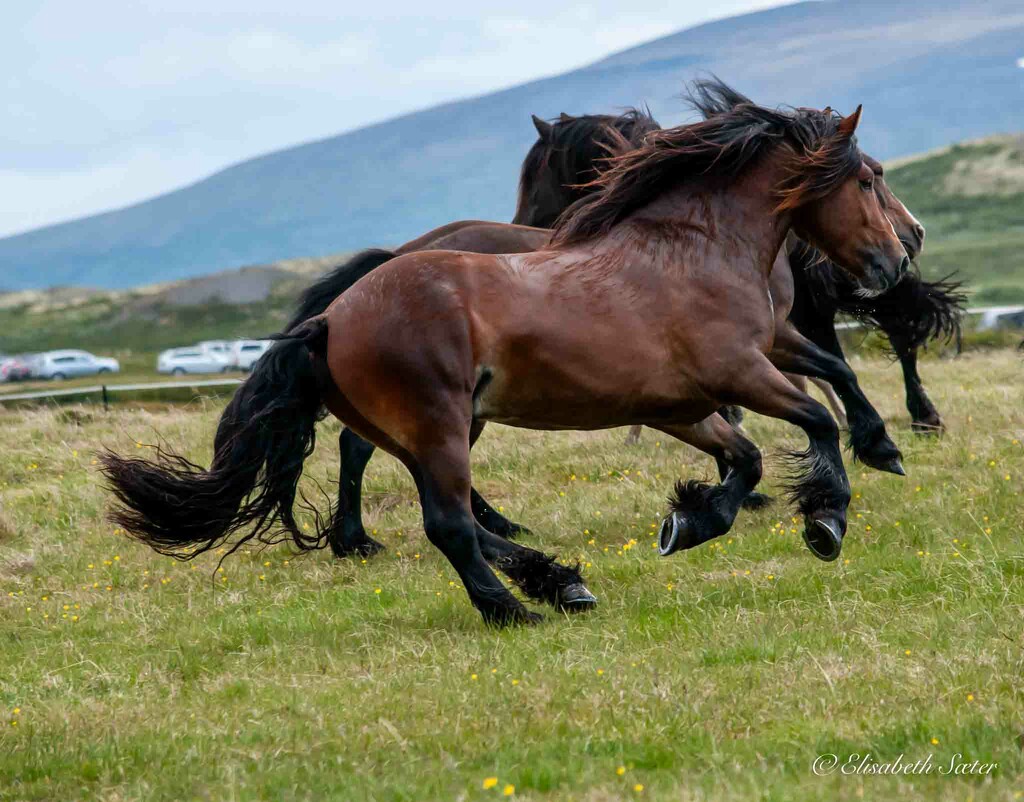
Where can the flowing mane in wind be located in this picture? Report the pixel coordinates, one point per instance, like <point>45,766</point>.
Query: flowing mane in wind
<point>574,144</point>
<point>723,145</point>
<point>570,153</point>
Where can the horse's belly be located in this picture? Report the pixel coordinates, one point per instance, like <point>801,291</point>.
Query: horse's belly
<point>588,399</point>
<point>568,416</point>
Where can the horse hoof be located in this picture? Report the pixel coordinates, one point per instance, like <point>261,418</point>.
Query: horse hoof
<point>575,598</point>
<point>364,548</point>
<point>511,616</point>
<point>513,531</point>
<point>676,533</point>
<point>824,537</point>
<point>893,465</point>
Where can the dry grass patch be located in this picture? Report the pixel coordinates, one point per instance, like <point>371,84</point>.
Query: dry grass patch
<point>289,677</point>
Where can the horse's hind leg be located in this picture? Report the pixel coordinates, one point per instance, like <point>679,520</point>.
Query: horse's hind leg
<point>820,487</point>
<point>701,511</point>
<point>485,514</point>
<point>346,534</point>
<point>838,410</point>
<point>924,417</point>
<point>442,475</point>
<point>536,574</point>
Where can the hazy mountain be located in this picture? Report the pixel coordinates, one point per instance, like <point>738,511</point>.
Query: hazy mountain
<point>928,73</point>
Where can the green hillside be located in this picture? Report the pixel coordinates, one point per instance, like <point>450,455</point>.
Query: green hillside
<point>970,197</point>
<point>134,324</point>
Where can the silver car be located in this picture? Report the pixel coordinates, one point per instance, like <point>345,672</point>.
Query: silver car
<point>69,364</point>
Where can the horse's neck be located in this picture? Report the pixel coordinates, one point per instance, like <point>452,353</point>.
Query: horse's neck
<point>736,220</point>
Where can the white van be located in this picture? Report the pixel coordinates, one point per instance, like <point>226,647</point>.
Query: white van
<point>218,347</point>
<point>245,353</point>
<point>179,361</point>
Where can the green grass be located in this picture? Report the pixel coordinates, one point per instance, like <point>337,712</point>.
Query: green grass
<point>715,674</point>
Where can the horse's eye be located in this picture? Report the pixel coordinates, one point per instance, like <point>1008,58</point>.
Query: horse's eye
<point>867,183</point>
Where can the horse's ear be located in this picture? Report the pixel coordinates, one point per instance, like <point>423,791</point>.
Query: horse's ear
<point>565,118</point>
<point>848,125</point>
<point>543,127</point>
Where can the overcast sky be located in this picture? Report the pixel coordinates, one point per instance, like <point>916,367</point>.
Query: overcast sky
<point>106,103</point>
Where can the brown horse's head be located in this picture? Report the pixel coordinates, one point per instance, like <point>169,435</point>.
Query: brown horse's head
<point>844,218</point>
<point>907,227</point>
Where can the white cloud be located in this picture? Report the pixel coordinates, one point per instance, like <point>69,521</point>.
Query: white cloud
<point>108,103</point>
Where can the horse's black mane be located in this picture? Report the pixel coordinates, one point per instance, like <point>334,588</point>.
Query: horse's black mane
<point>735,132</point>
<point>577,144</point>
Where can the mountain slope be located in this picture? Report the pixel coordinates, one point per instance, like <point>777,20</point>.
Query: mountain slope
<point>929,73</point>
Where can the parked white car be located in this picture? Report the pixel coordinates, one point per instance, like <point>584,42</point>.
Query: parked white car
<point>68,364</point>
<point>179,361</point>
<point>245,353</point>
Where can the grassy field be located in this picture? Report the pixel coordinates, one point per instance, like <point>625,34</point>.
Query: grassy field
<point>716,674</point>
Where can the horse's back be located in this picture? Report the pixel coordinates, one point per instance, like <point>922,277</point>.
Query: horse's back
<point>480,236</point>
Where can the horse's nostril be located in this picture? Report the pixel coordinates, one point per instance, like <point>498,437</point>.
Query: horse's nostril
<point>919,230</point>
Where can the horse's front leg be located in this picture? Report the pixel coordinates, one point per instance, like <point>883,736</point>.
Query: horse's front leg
<point>699,511</point>
<point>819,486</point>
<point>868,439</point>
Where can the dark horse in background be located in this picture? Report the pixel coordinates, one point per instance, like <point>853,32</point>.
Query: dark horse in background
<point>568,155</point>
<point>647,289</point>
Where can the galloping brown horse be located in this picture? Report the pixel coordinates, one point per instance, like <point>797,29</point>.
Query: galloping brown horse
<point>651,306</point>
<point>567,153</point>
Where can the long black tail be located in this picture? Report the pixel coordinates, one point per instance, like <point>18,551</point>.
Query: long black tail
<point>319,295</point>
<point>264,436</point>
<point>914,311</point>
